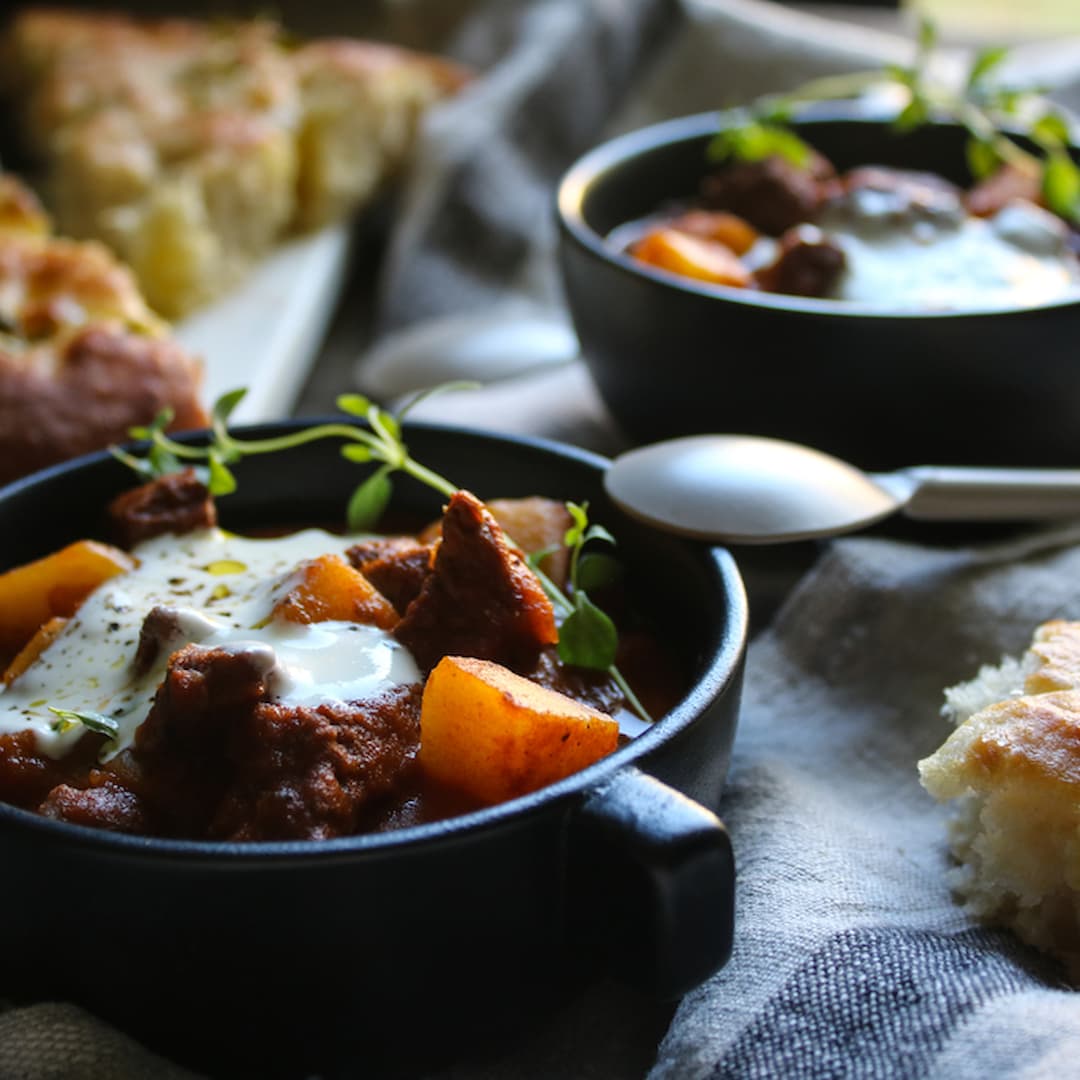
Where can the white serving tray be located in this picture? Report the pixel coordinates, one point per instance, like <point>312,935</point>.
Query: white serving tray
<point>266,334</point>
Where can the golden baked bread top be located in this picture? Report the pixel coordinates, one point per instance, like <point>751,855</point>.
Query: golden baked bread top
<point>76,64</point>
<point>1034,739</point>
<point>192,148</point>
<point>1056,651</point>
<point>51,287</point>
<point>1033,736</point>
<point>82,356</point>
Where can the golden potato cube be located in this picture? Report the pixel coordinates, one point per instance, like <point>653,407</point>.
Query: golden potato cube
<point>693,257</point>
<point>717,225</point>
<point>32,594</point>
<point>494,735</point>
<point>328,588</point>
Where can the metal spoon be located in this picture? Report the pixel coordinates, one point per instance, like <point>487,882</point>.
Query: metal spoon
<point>751,490</point>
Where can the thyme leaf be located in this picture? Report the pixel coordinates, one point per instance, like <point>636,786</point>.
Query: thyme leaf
<point>93,721</point>
<point>587,637</point>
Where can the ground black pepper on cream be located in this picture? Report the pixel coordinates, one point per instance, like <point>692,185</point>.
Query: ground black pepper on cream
<point>219,590</point>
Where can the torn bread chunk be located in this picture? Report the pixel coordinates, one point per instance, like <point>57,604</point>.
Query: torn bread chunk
<point>1011,768</point>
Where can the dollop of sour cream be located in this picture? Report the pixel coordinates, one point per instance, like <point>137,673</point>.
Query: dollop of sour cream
<point>943,259</point>
<point>216,589</point>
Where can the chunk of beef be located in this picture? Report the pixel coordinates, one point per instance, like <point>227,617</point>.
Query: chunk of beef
<point>220,760</point>
<point>591,687</point>
<point>309,773</point>
<point>26,776</point>
<point>481,598</point>
<point>534,523</point>
<point>176,503</point>
<point>537,524</point>
<point>182,745</point>
<point>989,196</point>
<point>202,689</point>
<point>105,804</point>
<point>894,196</point>
<point>396,565</point>
<point>807,264</point>
<point>72,788</point>
<point>164,630</point>
<point>773,194</point>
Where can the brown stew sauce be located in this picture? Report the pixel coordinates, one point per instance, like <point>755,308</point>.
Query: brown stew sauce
<point>218,758</point>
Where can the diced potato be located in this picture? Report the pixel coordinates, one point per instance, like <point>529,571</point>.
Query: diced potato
<point>328,588</point>
<point>691,256</point>
<point>494,735</point>
<point>42,639</point>
<point>728,229</point>
<point>534,524</point>
<point>32,594</point>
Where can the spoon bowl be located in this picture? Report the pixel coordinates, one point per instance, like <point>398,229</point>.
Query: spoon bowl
<point>748,489</point>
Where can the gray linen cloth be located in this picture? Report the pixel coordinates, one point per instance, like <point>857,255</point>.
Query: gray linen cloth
<point>851,957</point>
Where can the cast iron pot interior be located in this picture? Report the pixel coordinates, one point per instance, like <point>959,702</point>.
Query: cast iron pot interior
<point>671,357</point>
<point>285,958</point>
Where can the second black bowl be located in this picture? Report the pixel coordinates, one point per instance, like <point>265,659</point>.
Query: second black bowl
<point>672,357</point>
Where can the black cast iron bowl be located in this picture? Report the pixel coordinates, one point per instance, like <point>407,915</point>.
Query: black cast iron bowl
<point>286,958</point>
<point>672,357</point>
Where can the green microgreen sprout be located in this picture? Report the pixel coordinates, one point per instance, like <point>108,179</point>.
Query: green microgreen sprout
<point>587,636</point>
<point>379,442</point>
<point>92,721</point>
<point>982,105</point>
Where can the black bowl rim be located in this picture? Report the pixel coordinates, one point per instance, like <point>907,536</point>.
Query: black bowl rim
<point>615,152</point>
<point>717,678</point>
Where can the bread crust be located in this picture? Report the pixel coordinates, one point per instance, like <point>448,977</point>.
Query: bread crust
<point>192,148</point>
<point>82,357</point>
<point>1012,770</point>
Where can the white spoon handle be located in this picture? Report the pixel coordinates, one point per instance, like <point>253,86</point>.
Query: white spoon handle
<point>948,493</point>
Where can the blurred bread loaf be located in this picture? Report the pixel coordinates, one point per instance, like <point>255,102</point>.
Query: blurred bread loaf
<point>82,357</point>
<point>192,148</point>
<point>1012,769</point>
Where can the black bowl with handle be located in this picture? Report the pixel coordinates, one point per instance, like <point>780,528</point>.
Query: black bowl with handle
<point>881,388</point>
<point>290,958</point>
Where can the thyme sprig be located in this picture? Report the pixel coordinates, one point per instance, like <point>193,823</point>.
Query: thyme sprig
<point>380,442</point>
<point>992,113</point>
<point>587,636</point>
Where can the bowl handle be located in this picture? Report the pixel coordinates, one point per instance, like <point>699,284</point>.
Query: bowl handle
<point>652,884</point>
